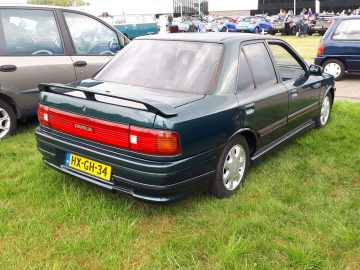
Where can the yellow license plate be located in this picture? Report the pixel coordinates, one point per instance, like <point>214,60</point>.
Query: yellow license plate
<point>88,166</point>
<point>318,27</point>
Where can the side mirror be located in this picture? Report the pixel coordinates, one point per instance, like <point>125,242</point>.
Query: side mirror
<point>316,70</point>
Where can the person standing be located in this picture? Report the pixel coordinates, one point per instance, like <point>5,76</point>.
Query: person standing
<point>310,13</point>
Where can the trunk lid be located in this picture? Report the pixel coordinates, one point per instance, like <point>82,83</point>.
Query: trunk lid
<point>115,102</point>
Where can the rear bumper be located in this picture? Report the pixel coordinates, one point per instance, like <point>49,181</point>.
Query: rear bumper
<point>156,181</point>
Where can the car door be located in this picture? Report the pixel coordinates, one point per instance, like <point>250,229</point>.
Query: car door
<point>94,43</point>
<point>262,97</point>
<point>303,88</point>
<point>33,52</point>
<point>345,44</point>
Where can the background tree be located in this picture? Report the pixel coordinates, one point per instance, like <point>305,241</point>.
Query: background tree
<point>66,3</point>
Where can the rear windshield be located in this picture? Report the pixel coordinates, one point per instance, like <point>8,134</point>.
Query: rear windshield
<point>348,30</point>
<point>190,67</point>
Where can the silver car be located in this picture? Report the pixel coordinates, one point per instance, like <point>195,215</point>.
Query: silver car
<point>47,44</point>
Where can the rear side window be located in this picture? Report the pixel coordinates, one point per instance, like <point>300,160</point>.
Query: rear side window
<point>348,30</point>
<point>245,78</point>
<point>260,65</point>
<point>31,32</point>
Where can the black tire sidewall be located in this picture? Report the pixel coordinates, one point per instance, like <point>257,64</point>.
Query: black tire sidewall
<point>13,121</point>
<point>217,187</point>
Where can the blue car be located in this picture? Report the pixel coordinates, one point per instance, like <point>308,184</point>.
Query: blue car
<point>223,25</point>
<point>136,25</point>
<point>253,25</point>
<point>339,50</point>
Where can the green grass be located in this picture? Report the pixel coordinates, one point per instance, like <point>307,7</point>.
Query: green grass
<point>306,47</point>
<point>299,209</point>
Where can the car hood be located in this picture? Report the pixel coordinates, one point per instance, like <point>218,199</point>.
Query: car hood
<point>171,98</point>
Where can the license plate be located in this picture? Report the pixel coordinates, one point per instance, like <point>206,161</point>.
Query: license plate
<point>278,26</point>
<point>318,27</point>
<point>88,166</point>
<point>243,27</point>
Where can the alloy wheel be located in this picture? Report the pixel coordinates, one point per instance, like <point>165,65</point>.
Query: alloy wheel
<point>325,110</point>
<point>4,123</point>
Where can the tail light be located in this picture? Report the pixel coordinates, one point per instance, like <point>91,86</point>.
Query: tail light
<point>43,115</point>
<point>151,141</point>
<point>320,50</point>
<point>329,22</point>
<point>144,140</point>
<point>252,22</point>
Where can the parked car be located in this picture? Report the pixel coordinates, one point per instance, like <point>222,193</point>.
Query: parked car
<point>288,27</point>
<point>223,25</point>
<point>339,50</point>
<point>136,25</point>
<point>320,24</point>
<point>254,25</point>
<point>159,137</point>
<point>47,44</point>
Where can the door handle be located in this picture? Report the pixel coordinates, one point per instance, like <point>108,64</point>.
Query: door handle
<point>250,108</point>
<point>294,93</point>
<point>8,68</point>
<point>80,64</point>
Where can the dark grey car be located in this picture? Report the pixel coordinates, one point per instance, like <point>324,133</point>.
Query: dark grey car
<point>47,44</point>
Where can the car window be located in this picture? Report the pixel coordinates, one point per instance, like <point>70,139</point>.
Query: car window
<point>132,18</point>
<point>245,78</point>
<point>260,64</point>
<point>31,32</point>
<point>180,66</point>
<point>91,37</point>
<point>289,67</point>
<point>148,18</point>
<point>348,30</point>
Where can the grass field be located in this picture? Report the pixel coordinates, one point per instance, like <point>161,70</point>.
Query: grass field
<point>299,209</point>
<point>306,47</point>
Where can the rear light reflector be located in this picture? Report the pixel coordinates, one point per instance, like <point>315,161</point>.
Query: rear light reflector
<point>152,141</point>
<point>320,50</point>
<point>144,140</point>
<point>43,115</point>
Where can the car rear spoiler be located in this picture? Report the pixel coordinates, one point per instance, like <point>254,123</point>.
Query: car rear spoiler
<point>151,105</point>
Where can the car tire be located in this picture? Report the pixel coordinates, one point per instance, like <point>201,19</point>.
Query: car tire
<point>7,120</point>
<point>256,30</point>
<point>325,111</point>
<point>293,31</point>
<point>334,67</point>
<point>224,29</point>
<point>231,169</point>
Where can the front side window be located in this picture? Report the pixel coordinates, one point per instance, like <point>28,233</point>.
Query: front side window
<point>31,32</point>
<point>190,67</point>
<point>91,37</point>
<point>260,64</point>
<point>289,67</point>
<point>348,30</point>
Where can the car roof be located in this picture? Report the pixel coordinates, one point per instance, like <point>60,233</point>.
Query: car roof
<point>347,17</point>
<point>217,37</point>
<point>31,6</point>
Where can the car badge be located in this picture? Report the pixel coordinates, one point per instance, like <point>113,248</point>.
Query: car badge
<point>84,108</point>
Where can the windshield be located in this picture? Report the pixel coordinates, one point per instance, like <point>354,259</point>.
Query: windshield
<point>190,67</point>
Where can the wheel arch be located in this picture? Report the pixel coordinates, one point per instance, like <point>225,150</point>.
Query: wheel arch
<point>11,102</point>
<point>249,136</point>
<point>334,58</point>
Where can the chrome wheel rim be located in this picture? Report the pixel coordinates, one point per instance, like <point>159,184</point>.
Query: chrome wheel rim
<point>325,110</point>
<point>4,123</point>
<point>234,167</point>
<point>333,69</point>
